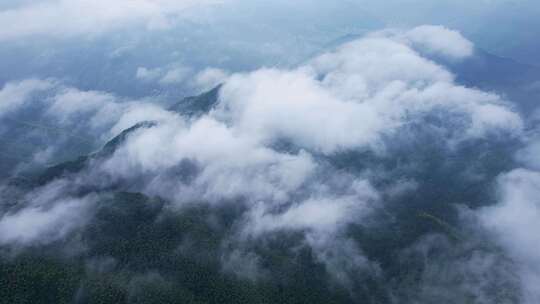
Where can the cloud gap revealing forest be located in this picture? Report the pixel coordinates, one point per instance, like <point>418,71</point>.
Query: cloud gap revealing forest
<point>158,151</point>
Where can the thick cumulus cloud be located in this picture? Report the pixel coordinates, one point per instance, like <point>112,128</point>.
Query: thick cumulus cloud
<point>361,91</point>
<point>269,144</point>
<point>71,18</point>
<point>233,166</point>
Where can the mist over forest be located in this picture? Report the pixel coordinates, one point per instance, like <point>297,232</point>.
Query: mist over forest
<point>232,151</point>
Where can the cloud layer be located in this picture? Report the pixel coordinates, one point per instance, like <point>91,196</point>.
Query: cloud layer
<point>271,145</point>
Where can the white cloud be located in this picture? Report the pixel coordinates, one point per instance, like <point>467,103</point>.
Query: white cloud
<point>209,78</point>
<point>14,95</point>
<point>148,74</point>
<point>325,214</point>
<point>101,113</point>
<point>165,76</point>
<point>71,116</point>
<point>440,40</point>
<point>41,225</point>
<point>175,76</point>
<point>232,166</point>
<point>343,100</point>
<point>272,104</point>
<point>72,105</point>
<point>515,224</point>
<point>65,18</point>
<point>352,96</point>
<point>348,99</point>
<point>67,105</point>
<point>49,215</point>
